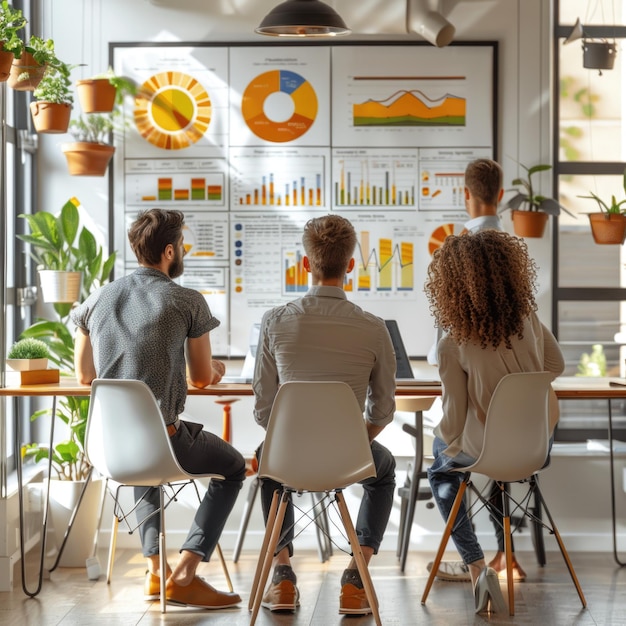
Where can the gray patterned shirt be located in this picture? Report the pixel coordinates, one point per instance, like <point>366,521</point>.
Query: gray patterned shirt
<point>138,325</point>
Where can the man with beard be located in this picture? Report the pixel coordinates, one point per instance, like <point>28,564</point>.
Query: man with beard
<point>144,326</point>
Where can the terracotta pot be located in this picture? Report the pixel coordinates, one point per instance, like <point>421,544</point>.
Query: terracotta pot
<point>96,95</point>
<point>529,223</point>
<point>87,159</point>
<point>608,228</point>
<point>6,60</point>
<point>50,117</point>
<point>25,73</point>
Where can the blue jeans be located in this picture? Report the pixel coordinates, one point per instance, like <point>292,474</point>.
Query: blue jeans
<point>198,452</point>
<point>375,505</point>
<point>445,485</point>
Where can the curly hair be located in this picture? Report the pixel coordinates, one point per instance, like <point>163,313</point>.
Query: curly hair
<point>481,287</point>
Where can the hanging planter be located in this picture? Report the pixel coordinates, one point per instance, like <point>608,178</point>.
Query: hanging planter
<point>96,95</point>
<point>25,73</point>
<point>60,286</point>
<point>6,60</point>
<point>599,55</point>
<point>51,117</point>
<point>529,223</point>
<point>608,228</point>
<point>85,158</point>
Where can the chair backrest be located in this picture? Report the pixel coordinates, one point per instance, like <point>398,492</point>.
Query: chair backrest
<point>126,437</point>
<point>516,439</point>
<point>316,437</point>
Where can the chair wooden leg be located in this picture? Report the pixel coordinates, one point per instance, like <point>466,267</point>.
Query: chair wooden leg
<point>366,578</point>
<point>266,540</point>
<point>446,535</point>
<point>162,548</point>
<point>564,553</point>
<point>508,555</point>
<point>112,547</point>
<point>220,554</point>
<point>245,517</point>
<point>268,557</point>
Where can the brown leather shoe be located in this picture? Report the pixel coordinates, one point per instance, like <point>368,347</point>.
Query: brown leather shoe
<point>199,594</point>
<point>151,587</point>
<point>353,601</point>
<point>282,596</point>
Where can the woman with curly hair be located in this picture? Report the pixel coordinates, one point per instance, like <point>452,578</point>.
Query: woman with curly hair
<point>481,289</point>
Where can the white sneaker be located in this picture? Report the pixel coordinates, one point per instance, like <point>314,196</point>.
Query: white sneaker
<point>452,571</point>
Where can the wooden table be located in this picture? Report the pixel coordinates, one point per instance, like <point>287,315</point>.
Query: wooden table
<point>571,388</point>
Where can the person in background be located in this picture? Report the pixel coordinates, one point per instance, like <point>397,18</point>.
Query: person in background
<point>145,326</point>
<point>481,290</point>
<point>323,336</point>
<point>483,193</point>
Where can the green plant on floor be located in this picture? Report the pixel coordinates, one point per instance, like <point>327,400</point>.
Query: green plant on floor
<point>68,457</point>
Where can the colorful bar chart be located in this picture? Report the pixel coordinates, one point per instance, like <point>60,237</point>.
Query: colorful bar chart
<point>167,188</point>
<point>278,181</point>
<point>372,179</point>
<point>387,267</point>
<point>296,277</point>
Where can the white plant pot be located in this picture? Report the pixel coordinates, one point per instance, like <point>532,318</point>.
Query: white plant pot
<point>26,365</point>
<point>59,286</point>
<point>63,497</point>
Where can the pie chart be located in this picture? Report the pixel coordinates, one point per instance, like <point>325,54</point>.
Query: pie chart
<point>438,236</point>
<point>174,111</point>
<point>279,106</point>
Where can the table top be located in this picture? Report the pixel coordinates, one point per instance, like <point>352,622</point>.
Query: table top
<point>566,387</point>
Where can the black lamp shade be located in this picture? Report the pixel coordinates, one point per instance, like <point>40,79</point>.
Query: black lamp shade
<point>303,18</point>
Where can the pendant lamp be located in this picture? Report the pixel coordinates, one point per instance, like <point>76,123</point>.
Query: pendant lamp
<point>302,18</point>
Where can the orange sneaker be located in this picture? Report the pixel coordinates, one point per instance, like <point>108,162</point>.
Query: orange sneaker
<point>282,596</point>
<point>353,601</point>
<point>200,594</point>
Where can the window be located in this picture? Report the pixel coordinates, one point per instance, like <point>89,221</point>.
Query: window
<point>590,147</point>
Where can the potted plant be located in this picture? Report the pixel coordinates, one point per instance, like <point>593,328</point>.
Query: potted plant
<point>11,21</point>
<point>101,93</point>
<point>69,260</point>
<point>90,153</point>
<point>608,226</point>
<point>530,210</point>
<point>28,354</point>
<point>30,63</point>
<point>52,107</point>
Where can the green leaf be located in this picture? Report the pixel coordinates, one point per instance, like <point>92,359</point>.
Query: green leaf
<point>69,221</point>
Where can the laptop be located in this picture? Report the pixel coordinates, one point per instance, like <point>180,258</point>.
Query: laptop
<point>247,371</point>
<point>404,371</point>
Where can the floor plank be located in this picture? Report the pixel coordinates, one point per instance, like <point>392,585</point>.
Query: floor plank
<point>548,596</point>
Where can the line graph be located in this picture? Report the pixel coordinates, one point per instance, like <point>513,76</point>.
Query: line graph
<point>387,266</point>
<point>411,107</point>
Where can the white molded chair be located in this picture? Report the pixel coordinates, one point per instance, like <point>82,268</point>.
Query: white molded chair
<point>126,440</point>
<point>515,449</point>
<point>316,441</point>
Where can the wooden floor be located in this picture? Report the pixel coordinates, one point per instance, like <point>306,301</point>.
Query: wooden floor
<point>548,596</point>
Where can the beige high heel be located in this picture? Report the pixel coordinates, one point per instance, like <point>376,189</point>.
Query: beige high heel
<point>487,593</point>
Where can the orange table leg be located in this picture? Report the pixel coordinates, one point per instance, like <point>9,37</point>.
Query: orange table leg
<point>227,428</point>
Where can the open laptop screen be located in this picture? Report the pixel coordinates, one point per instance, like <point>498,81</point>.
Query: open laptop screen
<point>403,365</point>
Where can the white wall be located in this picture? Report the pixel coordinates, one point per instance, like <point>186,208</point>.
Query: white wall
<point>520,26</point>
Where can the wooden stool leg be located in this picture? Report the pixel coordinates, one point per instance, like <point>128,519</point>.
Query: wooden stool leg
<point>227,428</point>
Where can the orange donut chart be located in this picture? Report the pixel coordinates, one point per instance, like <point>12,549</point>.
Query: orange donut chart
<point>174,112</point>
<point>290,83</point>
<point>438,236</point>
